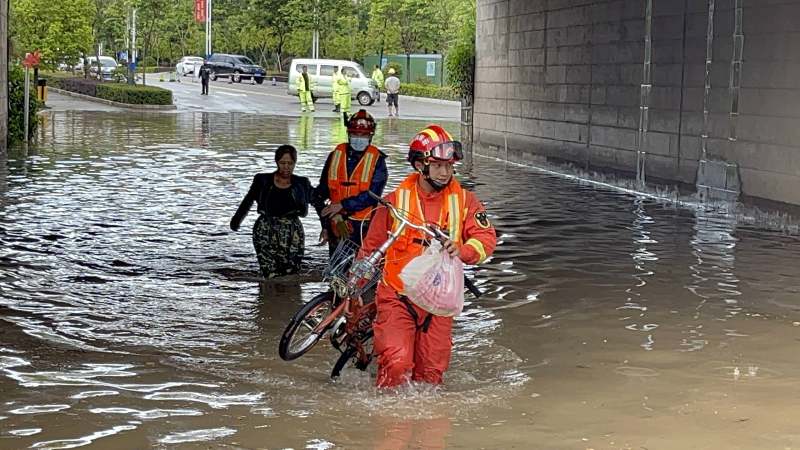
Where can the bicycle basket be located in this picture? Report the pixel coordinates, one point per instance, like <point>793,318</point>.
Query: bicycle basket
<point>338,271</point>
<point>341,259</point>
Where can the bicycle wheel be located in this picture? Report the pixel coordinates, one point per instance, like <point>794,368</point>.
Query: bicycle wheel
<point>344,358</point>
<point>301,334</point>
<point>351,353</point>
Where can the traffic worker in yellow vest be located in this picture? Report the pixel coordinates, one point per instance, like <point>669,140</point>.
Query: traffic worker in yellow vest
<point>345,91</point>
<point>335,90</point>
<point>410,343</point>
<point>351,170</point>
<point>305,85</point>
<point>377,76</point>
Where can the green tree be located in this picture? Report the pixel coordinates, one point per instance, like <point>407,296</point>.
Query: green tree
<point>461,58</point>
<point>61,30</point>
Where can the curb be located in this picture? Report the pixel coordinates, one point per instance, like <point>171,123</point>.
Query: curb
<point>113,103</point>
<point>428,100</point>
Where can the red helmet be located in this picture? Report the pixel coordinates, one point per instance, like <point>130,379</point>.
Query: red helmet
<point>361,123</point>
<point>434,142</point>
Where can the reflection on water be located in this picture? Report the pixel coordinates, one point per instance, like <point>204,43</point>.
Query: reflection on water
<point>132,317</point>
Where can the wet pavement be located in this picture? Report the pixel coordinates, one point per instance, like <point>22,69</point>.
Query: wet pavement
<point>132,318</point>
<point>268,99</point>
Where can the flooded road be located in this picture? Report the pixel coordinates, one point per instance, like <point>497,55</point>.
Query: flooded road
<point>132,318</point>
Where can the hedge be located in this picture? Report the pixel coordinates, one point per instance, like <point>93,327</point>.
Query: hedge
<point>134,95</point>
<point>428,90</point>
<point>118,92</point>
<point>16,106</point>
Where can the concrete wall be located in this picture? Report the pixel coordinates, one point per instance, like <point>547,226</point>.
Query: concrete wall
<point>3,74</point>
<point>577,80</point>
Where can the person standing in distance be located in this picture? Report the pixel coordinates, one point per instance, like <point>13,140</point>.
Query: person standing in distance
<point>392,85</point>
<point>205,75</point>
<point>377,76</point>
<point>304,88</point>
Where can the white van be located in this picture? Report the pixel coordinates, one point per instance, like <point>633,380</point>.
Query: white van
<point>363,87</point>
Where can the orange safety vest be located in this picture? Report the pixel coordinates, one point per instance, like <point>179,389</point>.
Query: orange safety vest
<point>341,186</point>
<point>410,243</point>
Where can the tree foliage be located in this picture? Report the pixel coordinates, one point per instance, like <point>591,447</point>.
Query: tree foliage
<point>269,31</point>
<point>61,30</point>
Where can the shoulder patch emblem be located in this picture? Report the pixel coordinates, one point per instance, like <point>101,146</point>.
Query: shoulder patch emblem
<point>482,219</point>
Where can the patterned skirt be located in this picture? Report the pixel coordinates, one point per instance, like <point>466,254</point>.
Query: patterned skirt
<point>279,244</point>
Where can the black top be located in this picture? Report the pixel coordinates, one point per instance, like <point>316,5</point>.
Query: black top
<point>280,202</point>
<point>290,202</point>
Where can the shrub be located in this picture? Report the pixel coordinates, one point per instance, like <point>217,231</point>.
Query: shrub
<point>85,86</point>
<point>428,90</point>
<point>16,106</point>
<point>117,92</point>
<point>134,95</point>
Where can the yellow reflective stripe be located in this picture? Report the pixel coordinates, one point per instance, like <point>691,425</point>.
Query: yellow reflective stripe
<point>333,170</point>
<point>431,134</point>
<point>478,246</point>
<point>454,219</point>
<point>403,197</point>
<point>367,169</point>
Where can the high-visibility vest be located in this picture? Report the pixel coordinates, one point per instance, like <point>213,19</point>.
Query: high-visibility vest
<point>341,186</point>
<point>410,244</point>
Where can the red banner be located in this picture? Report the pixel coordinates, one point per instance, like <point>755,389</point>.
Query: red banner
<point>200,10</point>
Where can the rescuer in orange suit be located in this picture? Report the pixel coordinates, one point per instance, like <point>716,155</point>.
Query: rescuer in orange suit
<point>352,169</point>
<point>410,343</point>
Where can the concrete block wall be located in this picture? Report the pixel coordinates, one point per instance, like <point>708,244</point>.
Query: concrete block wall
<point>562,80</point>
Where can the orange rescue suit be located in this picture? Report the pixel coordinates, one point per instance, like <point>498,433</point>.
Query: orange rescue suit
<point>411,344</point>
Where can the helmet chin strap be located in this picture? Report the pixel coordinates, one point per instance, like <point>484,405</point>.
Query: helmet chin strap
<point>437,186</point>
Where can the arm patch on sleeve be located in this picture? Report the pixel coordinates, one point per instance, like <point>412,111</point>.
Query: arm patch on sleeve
<point>482,220</point>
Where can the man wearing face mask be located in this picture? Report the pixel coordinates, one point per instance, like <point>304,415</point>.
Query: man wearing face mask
<point>352,169</point>
<point>412,344</point>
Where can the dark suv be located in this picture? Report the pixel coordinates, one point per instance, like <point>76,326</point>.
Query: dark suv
<point>237,67</point>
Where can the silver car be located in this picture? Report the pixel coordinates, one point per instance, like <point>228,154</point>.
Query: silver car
<point>107,66</point>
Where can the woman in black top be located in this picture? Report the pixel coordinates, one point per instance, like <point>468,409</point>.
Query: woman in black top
<point>282,198</point>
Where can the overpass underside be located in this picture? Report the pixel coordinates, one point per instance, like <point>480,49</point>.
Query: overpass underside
<point>698,92</point>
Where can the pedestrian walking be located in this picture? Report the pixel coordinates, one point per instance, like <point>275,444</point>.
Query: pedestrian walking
<point>305,86</point>
<point>392,85</point>
<point>282,198</point>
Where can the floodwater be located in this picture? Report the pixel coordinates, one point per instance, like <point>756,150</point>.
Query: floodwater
<point>132,317</point>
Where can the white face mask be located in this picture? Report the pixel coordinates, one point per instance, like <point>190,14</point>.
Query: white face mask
<point>359,143</point>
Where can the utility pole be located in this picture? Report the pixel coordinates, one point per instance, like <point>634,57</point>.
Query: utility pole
<point>208,29</point>
<point>315,36</point>
<point>131,41</point>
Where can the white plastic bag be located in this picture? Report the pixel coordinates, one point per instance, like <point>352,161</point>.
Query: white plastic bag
<point>434,281</point>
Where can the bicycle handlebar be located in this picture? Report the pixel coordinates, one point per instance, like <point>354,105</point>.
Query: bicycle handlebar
<point>431,230</point>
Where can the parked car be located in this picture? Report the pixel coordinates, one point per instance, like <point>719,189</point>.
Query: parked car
<point>187,64</point>
<point>108,66</point>
<point>238,67</point>
<point>363,88</point>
